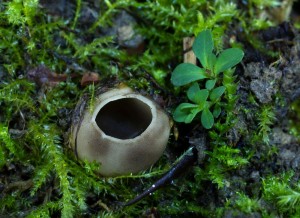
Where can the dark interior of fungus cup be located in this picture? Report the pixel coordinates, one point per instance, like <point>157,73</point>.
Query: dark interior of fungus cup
<point>124,118</point>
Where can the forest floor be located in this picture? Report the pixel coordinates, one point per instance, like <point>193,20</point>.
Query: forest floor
<point>248,163</point>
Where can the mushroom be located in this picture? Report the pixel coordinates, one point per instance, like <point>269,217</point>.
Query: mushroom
<point>125,132</point>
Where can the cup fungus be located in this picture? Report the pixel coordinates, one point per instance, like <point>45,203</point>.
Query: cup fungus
<point>126,132</point>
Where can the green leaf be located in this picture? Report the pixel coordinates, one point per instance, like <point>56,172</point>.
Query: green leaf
<point>188,105</point>
<point>211,61</point>
<point>202,97</point>
<point>197,95</point>
<point>182,111</point>
<point>207,118</point>
<point>203,46</point>
<point>210,84</point>
<point>227,59</point>
<point>217,110</point>
<point>189,118</point>
<point>217,93</point>
<point>193,92</point>
<point>186,73</point>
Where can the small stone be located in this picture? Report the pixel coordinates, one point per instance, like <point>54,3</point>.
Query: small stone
<point>255,175</point>
<point>287,155</point>
<point>280,138</point>
<point>263,90</point>
<point>253,69</point>
<point>296,162</point>
<point>125,33</point>
<point>289,85</point>
<point>266,85</point>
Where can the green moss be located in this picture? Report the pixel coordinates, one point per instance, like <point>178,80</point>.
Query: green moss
<point>266,118</point>
<point>295,129</point>
<point>246,204</point>
<point>280,191</point>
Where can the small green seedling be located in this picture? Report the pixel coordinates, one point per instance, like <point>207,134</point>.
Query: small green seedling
<point>206,101</point>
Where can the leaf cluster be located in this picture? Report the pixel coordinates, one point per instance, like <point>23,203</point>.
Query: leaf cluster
<point>207,100</point>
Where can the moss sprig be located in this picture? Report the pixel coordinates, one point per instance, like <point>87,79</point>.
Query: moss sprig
<point>21,12</point>
<point>286,196</point>
<point>9,149</point>
<point>46,137</point>
<point>266,119</point>
<point>10,95</point>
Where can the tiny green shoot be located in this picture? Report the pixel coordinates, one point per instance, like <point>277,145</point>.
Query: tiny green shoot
<point>206,101</point>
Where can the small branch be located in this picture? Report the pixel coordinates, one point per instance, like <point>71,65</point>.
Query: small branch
<point>20,185</point>
<point>186,161</point>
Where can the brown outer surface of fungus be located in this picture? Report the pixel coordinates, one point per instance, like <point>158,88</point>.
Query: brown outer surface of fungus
<point>126,152</point>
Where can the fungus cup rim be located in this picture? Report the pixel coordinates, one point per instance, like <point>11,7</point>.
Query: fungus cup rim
<point>104,102</point>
